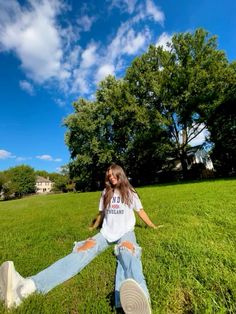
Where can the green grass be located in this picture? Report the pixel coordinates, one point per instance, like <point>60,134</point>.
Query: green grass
<point>189,264</point>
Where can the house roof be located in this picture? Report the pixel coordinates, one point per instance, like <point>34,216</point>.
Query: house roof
<point>194,149</point>
<point>42,180</point>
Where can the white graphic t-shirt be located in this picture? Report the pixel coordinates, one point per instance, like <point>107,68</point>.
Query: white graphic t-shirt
<point>119,217</point>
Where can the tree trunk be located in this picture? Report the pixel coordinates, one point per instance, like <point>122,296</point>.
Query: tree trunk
<point>183,154</point>
<point>184,164</point>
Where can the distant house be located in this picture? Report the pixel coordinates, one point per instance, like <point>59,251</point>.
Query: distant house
<point>195,155</point>
<point>1,195</point>
<point>43,185</point>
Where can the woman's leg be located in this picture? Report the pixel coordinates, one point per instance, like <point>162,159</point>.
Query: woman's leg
<point>65,268</point>
<point>119,278</point>
<point>128,264</point>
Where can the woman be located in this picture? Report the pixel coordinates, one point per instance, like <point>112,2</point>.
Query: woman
<point>116,208</point>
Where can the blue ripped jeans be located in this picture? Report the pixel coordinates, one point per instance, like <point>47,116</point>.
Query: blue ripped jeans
<point>128,264</point>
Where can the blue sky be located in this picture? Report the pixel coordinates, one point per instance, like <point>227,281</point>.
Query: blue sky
<point>52,52</point>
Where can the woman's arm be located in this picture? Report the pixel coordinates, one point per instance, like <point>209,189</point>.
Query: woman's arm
<point>143,215</point>
<point>97,222</point>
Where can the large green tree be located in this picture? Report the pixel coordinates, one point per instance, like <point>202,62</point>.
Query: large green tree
<point>222,126</point>
<point>82,143</point>
<point>113,128</point>
<point>19,181</point>
<point>182,86</point>
<point>2,180</point>
<point>164,101</point>
<point>99,132</point>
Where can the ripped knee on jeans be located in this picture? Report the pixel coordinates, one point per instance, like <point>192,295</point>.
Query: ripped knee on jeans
<point>128,246</point>
<point>87,245</point>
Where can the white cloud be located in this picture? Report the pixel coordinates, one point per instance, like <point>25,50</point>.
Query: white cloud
<point>48,158</point>
<point>50,53</point>
<point>127,41</point>
<point>7,10</point>
<point>163,40</point>
<point>61,103</point>
<point>23,158</point>
<point>58,159</point>
<point>154,12</point>
<point>146,10</point>
<point>69,35</point>
<point>124,5</point>
<point>45,157</point>
<point>84,73</point>
<point>31,33</point>
<point>4,154</point>
<point>89,56</point>
<point>81,81</point>
<point>27,87</point>
<point>73,58</point>
<point>133,42</point>
<point>103,71</point>
<point>86,22</point>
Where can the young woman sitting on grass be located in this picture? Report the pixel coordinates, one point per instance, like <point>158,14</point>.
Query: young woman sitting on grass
<point>116,208</point>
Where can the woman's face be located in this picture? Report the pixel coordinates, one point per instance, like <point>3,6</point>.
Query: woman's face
<point>112,178</point>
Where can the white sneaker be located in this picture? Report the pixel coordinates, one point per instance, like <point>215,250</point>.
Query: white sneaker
<point>133,298</point>
<point>13,287</point>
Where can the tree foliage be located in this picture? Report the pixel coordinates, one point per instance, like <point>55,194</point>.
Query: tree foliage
<point>166,98</point>
<point>21,180</point>
<point>108,130</point>
<point>182,86</point>
<point>222,126</point>
<point>18,181</point>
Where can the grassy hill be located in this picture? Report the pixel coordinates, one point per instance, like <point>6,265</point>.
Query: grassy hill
<point>189,264</point>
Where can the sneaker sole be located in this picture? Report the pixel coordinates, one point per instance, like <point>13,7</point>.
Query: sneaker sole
<point>133,299</point>
<point>6,282</point>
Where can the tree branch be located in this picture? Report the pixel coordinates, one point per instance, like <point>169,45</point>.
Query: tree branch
<point>195,135</point>
<point>176,132</point>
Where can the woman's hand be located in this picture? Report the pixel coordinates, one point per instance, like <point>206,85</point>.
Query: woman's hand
<point>96,222</point>
<point>143,215</point>
<point>158,226</point>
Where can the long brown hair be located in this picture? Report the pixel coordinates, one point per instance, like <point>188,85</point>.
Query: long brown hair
<point>123,185</point>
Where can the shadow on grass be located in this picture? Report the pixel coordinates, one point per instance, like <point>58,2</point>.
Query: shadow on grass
<point>111,299</point>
